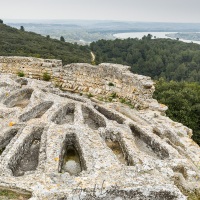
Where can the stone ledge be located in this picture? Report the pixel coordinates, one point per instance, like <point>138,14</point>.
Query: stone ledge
<point>95,79</point>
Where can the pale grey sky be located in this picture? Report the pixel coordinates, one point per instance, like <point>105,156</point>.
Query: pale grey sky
<point>125,10</point>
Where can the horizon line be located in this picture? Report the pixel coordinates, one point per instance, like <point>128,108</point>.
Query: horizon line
<point>105,20</point>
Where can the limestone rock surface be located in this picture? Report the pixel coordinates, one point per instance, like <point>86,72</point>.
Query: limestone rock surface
<point>123,153</point>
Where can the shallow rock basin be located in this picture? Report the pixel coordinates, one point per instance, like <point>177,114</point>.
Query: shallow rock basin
<point>30,160</point>
<point>71,161</point>
<point>116,149</point>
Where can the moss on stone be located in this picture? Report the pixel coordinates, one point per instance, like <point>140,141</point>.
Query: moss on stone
<point>8,194</point>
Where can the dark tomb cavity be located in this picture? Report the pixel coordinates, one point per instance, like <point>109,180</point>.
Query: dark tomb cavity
<point>36,112</point>
<point>64,115</point>
<point>117,150</point>
<point>8,136</point>
<point>20,98</point>
<point>110,115</point>
<point>71,161</point>
<point>70,158</point>
<point>92,119</point>
<point>27,158</point>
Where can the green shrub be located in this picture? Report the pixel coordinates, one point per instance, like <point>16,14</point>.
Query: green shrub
<point>90,95</point>
<point>21,74</point>
<point>100,98</point>
<point>113,95</point>
<point>7,194</point>
<point>110,99</point>
<point>93,62</point>
<point>111,84</point>
<point>122,100</point>
<point>46,76</point>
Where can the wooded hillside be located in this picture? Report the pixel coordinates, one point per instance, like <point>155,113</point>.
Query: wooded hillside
<point>14,42</point>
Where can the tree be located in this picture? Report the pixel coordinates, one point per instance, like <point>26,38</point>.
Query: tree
<point>62,39</point>
<point>1,21</point>
<point>48,36</point>
<point>22,28</point>
<point>182,99</point>
<point>149,36</point>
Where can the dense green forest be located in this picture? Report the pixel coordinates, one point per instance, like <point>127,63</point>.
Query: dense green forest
<point>183,100</point>
<point>14,42</point>
<point>170,59</point>
<point>171,63</point>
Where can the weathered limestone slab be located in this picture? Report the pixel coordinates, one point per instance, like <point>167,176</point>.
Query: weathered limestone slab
<point>103,80</point>
<point>122,153</point>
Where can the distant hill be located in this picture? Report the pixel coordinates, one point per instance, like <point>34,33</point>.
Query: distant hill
<point>86,31</point>
<point>14,42</point>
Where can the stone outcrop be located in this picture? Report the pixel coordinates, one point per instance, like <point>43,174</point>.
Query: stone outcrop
<point>59,145</point>
<point>103,80</point>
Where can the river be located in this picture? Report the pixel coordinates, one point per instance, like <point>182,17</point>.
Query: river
<point>139,35</point>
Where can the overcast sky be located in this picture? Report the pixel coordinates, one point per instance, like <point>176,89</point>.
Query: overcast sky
<point>125,10</point>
